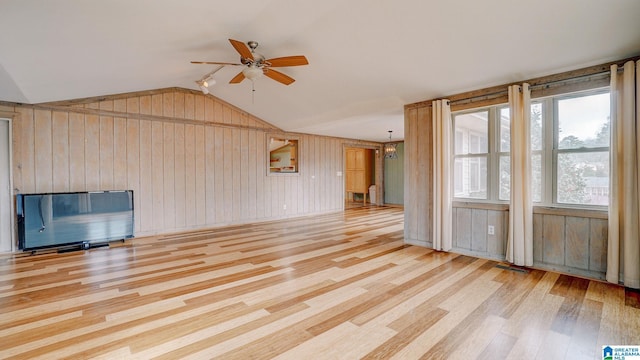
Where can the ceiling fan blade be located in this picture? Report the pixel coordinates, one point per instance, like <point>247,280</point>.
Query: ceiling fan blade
<point>279,77</point>
<point>288,61</point>
<point>242,49</point>
<point>214,63</point>
<point>237,79</point>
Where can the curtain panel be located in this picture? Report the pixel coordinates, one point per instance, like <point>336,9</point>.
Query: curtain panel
<point>623,248</point>
<point>520,235</point>
<point>443,177</point>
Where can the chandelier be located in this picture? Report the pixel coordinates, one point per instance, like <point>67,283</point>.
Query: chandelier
<point>390,151</point>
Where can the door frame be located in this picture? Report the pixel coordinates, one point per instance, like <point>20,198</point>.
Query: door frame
<point>9,117</point>
<point>379,169</point>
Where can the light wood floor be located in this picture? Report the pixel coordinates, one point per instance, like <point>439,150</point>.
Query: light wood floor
<point>339,286</point>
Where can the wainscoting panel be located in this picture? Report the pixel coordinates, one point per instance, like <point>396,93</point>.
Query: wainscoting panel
<point>571,241</point>
<point>470,231</point>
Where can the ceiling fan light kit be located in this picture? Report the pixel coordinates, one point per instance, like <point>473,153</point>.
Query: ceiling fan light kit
<point>252,72</point>
<point>255,65</point>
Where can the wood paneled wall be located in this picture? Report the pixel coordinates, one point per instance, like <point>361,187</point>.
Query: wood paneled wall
<point>571,241</point>
<point>192,160</point>
<point>566,240</point>
<point>470,235</point>
<point>418,179</point>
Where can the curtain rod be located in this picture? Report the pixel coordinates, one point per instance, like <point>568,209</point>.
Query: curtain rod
<point>544,85</point>
<point>600,72</point>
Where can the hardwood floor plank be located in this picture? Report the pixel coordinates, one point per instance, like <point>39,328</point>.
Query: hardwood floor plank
<point>335,286</point>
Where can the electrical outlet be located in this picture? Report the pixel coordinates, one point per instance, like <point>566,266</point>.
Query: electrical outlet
<point>284,207</point>
<point>491,230</point>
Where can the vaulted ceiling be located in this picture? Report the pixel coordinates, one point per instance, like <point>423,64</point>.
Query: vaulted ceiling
<point>367,57</point>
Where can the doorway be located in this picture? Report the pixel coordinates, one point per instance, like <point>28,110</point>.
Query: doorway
<point>6,207</point>
<point>362,176</point>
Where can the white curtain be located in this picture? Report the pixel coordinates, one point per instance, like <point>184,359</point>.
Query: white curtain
<point>442,213</point>
<point>520,239</point>
<point>623,253</point>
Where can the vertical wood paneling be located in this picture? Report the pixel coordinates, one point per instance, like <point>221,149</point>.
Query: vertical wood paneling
<point>209,113</point>
<point>16,129</point>
<point>157,105</point>
<point>190,175</point>
<point>411,184</point>
<point>252,186</point>
<point>226,114</point>
<point>179,176</point>
<point>144,104</point>
<point>244,175</point>
<point>120,105</point>
<point>318,185</point>
<point>43,148</point>
<point>146,177</point>
<point>133,167</point>
<point>106,153</point>
<point>537,237</point>
<point>27,161</point>
<point>236,168</point>
<point>553,239</point>
<point>322,154</point>
<point>495,242</point>
<point>183,175</point>
<point>311,174</point>
<point>479,230</point>
<point>228,173</point>
<point>157,171</point>
<point>60,139</point>
<point>133,105</point>
<point>210,166</point>
<point>260,173</point>
<point>92,152</point>
<point>120,178</point>
<point>424,171</point>
<point>598,235</point>
<point>168,177</point>
<point>463,228</point>
<point>178,105</point>
<point>577,242</point>
<point>189,107</point>
<point>199,107</point>
<point>76,152</point>
<point>219,174</point>
<point>201,201</point>
<point>168,105</point>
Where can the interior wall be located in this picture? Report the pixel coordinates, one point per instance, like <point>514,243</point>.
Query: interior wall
<point>564,239</point>
<point>5,187</point>
<point>394,178</point>
<point>193,161</point>
<point>418,179</point>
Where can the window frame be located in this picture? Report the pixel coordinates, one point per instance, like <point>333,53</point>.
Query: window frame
<point>555,148</point>
<point>548,153</point>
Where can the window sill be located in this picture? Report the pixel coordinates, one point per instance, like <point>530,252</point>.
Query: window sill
<point>537,209</point>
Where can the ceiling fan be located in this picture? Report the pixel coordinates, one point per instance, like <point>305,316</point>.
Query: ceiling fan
<point>256,65</point>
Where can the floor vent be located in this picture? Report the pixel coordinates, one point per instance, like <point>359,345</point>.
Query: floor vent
<point>512,268</point>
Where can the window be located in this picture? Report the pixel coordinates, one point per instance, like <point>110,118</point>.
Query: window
<point>569,151</point>
<point>581,149</point>
<point>471,154</point>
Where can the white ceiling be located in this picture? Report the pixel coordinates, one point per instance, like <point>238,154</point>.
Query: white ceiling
<point>367,58</point>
